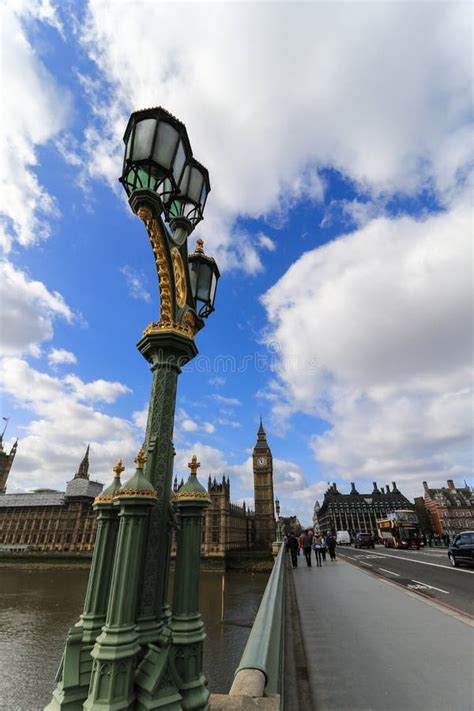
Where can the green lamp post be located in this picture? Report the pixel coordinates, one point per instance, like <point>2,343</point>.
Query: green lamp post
<point>134,661</point>
<point>164,182</point>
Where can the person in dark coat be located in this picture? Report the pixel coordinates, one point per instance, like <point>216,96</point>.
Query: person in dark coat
<point>293,546</point>
<point>331,545</point>
<point>308,546</point>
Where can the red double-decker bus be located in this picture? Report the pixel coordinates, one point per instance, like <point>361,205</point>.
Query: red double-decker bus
<point>401,529</point>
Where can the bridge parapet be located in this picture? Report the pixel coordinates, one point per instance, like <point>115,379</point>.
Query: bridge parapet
<point>260,672</point>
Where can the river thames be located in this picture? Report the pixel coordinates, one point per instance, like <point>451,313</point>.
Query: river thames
<point>37,606</point>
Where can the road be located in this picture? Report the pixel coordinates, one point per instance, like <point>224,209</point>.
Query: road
<point>425,571</point>
<point>372,646</point>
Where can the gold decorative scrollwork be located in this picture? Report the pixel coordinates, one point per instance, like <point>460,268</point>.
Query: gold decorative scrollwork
<point>179,278</point>
<point>167,319</point>
<point>150,493</point>
<point>198,495</point>
<point>164,279</point>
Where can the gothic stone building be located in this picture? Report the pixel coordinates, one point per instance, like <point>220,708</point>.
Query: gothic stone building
<point>356,512</point>
<point>230,527</point>
<point>449,509</point>
<point>48,520</point>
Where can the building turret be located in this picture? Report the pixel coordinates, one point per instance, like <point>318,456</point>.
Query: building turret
<point>83,471</point>
<point>263,488</point>
<point>6,461</point>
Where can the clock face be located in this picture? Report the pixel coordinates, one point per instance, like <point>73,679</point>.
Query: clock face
<point>261,461</point>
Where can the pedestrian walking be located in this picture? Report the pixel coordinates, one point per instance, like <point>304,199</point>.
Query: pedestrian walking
<point>317,546</point>
<point>331,545</point>
<point>293,546</point>
<point>307,545</point>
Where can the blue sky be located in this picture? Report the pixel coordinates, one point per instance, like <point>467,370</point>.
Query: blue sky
<point>339,143</point>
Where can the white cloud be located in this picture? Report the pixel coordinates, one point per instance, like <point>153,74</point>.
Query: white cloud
<point>135,281</point>
<point>385,313</point>
<point>228,423</point>
<point>96,391</point>
<point>382,96</point>
<point>217,380</point>
<point>266,242</point>
<point>59,356</point>
<point>229,401</point>
<point>28,311</point>
<point>34,110</point>
<point>184,424</point>
<point>64,423</point>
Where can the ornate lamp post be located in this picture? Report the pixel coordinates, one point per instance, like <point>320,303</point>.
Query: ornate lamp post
<point>135,661</point>
<point>279,537</point>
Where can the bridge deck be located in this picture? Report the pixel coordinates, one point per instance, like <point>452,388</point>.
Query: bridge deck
<point>371,646</point>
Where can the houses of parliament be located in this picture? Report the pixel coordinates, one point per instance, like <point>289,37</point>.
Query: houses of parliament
<point>65,522</point>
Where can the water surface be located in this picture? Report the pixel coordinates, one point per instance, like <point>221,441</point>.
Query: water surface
<point>38,606</point>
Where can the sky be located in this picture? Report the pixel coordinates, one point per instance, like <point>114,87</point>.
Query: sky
<point>338,138</point>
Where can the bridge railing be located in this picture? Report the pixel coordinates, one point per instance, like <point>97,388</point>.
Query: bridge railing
<point>260,672</point>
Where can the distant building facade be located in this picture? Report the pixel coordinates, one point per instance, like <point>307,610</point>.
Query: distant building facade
<point>290,524</point>
<point>48,520</point>
<point>230,527</point>
<point>226,526</point>
<point>356,512</point>
<point>450,509</point>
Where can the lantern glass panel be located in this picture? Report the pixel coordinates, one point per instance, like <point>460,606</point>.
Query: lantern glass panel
<point>165,144</point>
<point>183,185</point>
<point>179,162</point>
<point>195,185</point>
<point>212,294</point>
<point>204,282</point>
<point>193,275</point>
<point>203,196</point>
<point>143,139</point>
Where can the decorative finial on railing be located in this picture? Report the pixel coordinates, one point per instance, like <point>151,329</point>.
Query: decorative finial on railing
<point>118,469</point>
<point>194,465</point>
<point>140,459</point>
<point>199,246</point>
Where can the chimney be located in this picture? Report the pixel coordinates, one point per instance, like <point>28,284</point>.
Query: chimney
<point>387,488</point>
<point>425,486</point>
<point>451,486</point>
<point>376,491</point>
<point>394,487</point>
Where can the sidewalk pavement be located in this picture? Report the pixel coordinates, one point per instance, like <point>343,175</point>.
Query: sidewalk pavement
<point>370,646</point>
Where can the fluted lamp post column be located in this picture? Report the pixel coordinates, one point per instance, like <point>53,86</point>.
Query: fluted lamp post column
<point>115,650</point>
<point>187,627</point>
<point>76,665</point>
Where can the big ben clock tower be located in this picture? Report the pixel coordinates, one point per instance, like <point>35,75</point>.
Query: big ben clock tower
<point>263,487</point>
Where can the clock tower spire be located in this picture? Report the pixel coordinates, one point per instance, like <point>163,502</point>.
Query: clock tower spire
<point>263,488</point>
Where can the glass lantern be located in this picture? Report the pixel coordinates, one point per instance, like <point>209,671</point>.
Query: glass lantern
<point>157,153</point>
<point>192,194</point>
<point>204,275</point>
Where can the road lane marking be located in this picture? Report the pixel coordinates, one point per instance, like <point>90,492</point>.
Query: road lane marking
<point>364,563</point>
<point>430,586</point>
<point>424,562</point>
<point>390,571</point>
